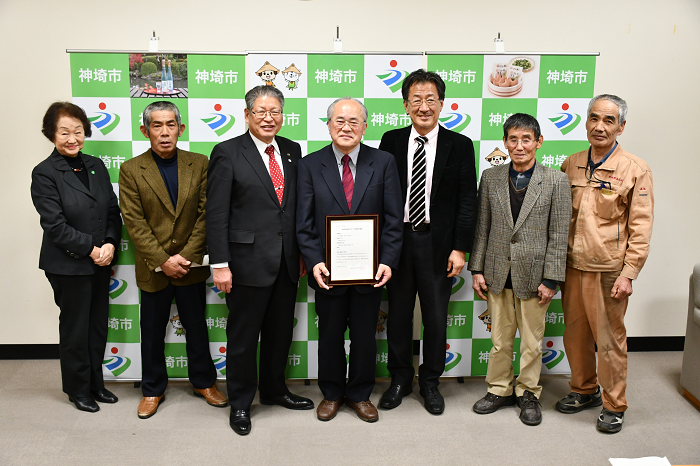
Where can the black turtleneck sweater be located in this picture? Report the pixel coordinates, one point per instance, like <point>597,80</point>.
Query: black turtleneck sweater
<point>168,170</point>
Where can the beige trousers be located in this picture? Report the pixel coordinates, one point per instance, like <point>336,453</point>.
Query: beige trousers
<point>593,317</point>
<point>509,314</point>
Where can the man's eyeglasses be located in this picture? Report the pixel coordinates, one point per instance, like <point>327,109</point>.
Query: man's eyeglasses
<point>340,122</point>
<point>429,102</point>
<point>513,143</point>
<point>262,114</point>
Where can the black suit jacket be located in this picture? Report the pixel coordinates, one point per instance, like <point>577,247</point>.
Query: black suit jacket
<point>453,194</point>
<point>320,193</point>
<point>246,225</point>
<point>74,218</point>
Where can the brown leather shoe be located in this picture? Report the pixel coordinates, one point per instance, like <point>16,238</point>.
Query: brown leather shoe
<point>149,405</point>
<point>365,410</point>
<point>328,409</point>
<point>213,396</point>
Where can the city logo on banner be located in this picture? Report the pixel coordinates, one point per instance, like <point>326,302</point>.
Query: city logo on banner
<point>116,364</point>
<point>566,122</point>
<point>393,78</point>
<point>455,121</point>
<point>552,357</point>
<point>220,293</point>
<point>220,123</point>
<point>105,122</point>
<point>116,287</point>
<point>220,360</point>
<point>457,284</point>
<point>451,359</point>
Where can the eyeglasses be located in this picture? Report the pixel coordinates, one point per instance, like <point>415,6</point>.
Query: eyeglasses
<point>513,143</point>
<point>429,102</point>
<point>339,123</point>
<point>262,114</point>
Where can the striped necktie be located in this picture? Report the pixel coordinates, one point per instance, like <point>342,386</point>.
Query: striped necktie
<point>416,199</point>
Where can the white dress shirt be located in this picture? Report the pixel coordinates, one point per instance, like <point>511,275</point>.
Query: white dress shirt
<point>261,146</point>
<point>430,149</point>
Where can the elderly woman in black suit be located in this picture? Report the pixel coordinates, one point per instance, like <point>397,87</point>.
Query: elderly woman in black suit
<point>82,225</point>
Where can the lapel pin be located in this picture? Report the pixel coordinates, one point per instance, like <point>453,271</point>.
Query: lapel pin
<point>289,160</point>
<point>93,172</point>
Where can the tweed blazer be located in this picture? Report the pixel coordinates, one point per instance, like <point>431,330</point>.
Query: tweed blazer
<point>157,229</point>
<point>532,248</point>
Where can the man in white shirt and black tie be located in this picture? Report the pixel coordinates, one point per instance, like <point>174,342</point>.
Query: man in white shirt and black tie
<point>438,184</point>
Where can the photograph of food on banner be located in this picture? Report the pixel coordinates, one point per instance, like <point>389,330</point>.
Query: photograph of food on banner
<point>158,75</point>
<point>510,76</point>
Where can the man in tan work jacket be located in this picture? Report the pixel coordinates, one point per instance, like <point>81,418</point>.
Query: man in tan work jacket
<point>613,212</point>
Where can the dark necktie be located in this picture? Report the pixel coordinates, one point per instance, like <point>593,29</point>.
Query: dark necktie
<point>348,183</point>
<point>275,173</point>
<point>416,199</point>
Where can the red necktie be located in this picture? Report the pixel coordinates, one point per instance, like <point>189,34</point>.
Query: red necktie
<point>275,173</point>
<point>348,183</point>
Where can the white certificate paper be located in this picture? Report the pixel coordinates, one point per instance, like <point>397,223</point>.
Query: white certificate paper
<point>352,249</point>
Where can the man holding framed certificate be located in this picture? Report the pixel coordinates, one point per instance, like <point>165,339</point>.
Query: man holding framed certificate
<point>350,229</point>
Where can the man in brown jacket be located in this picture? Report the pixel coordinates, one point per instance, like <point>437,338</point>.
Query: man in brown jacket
<point>613,212</point>
<point>162,194</point>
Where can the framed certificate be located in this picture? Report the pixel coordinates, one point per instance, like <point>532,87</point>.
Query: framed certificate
<point>352,249</point>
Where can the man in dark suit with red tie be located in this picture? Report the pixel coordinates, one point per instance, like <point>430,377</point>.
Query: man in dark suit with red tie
<point>251,206</point>
<point>438,185</point>
<point>343,178</point>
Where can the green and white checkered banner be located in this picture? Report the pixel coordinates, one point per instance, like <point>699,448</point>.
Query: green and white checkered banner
<point>482,91</point>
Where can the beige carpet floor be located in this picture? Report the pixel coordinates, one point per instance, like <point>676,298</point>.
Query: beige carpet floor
<point>38,426</point>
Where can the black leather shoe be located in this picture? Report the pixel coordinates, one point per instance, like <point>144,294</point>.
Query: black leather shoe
<point>394,394</point>
<point>289,401</point>
<point>104,396</point>
<point>240,421</point>
<point>530,412</point>
<point>492,403</point>
<point>85,404</point>
<point>432,400</point>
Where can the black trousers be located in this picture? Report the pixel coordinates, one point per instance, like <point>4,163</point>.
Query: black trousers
<point>359,312</point>
<point>268,313</point>
<point>416,273</point>
<point>155,314</point>
<point>82,328</point>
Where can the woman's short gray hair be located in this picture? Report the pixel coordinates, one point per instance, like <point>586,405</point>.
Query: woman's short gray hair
<point>621,105</point>
<point>159,106</point>
<point>331,107</point>
<point>263,91</point>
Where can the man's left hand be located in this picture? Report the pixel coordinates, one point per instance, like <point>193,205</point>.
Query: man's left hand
<point>622,288</point>
<point>383,275</point>
<point>455,263</point>
<point>546,294</point>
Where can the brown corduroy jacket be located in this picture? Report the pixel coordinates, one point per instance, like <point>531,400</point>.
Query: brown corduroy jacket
<point>156,228</point>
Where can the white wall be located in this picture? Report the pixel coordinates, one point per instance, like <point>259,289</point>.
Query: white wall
<point>650,56</point>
